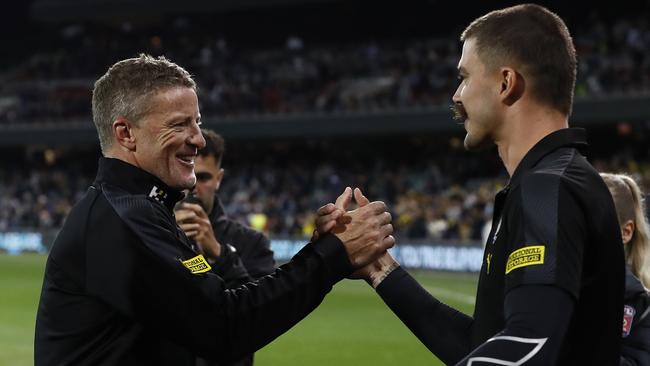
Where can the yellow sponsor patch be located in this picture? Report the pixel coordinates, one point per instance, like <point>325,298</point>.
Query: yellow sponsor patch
<point>197,264</point>
<point>526,256</point>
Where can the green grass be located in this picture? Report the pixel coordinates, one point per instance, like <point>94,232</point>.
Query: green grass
<point>351,327</point>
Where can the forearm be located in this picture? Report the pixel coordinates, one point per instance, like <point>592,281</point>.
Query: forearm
<point>442,329</point>
<point>533,335</point>
<point>230,268</point>
<point>256,313</point>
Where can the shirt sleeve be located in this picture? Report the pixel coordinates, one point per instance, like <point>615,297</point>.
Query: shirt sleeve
<point>549,233</point>
<point>533,335</point>
<point>445,331</point>
<point>140,275</point>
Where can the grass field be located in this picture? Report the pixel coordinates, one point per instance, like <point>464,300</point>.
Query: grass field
<point>351,327</point>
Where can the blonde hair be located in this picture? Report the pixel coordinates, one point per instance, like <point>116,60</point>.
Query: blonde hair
<point>126,88</point>
<point>630,205</point>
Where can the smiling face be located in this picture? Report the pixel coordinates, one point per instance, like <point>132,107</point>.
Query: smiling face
<point>168,137</point>
<point>476,99</point>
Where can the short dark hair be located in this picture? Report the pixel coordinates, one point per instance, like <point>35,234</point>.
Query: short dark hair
<point>215,145</point>
<point>124,91</point>
<point>539,41</point>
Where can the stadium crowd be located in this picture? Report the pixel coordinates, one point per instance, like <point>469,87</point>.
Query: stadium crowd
<point>432,195</point>
<point>54,85</point>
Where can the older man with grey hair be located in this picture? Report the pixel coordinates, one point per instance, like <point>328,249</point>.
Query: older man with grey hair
<point>123,285</point>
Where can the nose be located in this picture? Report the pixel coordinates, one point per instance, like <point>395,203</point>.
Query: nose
<point>196,137</point>
<point>456,96</point>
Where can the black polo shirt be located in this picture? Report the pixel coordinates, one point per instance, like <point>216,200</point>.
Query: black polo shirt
<point>555,224</point>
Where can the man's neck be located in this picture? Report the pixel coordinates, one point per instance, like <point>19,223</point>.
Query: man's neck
<point>527,129</point>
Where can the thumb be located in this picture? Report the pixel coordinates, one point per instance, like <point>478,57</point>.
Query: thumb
<point>360,198</point>
<point>343,201</point>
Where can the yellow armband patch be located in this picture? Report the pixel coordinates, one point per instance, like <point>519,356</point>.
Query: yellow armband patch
<point>197,264</point>
<point>526,256</point>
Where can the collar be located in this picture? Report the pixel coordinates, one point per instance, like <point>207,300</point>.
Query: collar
<point>566,137</point>
<point>218,212</point>
<point>136,181</point>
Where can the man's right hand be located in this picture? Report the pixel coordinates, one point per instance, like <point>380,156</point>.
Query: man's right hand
<point>365,231</point>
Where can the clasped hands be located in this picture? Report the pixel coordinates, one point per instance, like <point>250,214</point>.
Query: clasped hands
<point>366,233</point>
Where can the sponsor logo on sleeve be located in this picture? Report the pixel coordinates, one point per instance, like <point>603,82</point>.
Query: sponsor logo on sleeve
<point>197,264</point>
<point>526,256</point>
<point>628,317</point>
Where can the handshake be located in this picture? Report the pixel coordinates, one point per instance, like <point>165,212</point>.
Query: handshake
<point>366,233</point>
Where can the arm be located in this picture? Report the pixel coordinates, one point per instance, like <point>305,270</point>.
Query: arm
<point>141,276</point>
<point>533,335</point>
<point>443,330</point>
<point>635,346</point>
<point>260,261</point>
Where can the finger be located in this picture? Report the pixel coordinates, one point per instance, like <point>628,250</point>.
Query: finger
<point>388,242</point>
<point>343,201</point>
<point>376,207</point>
<point>385,218</point>
<point>186,227</point>
<point>326,210</point>
<point>327,227</point>
<point>360,198</point>
<point>191,234</point>
<point>322,220</point>
<point>197,209</point>
<point>185,215</point>
<point>386,230</point>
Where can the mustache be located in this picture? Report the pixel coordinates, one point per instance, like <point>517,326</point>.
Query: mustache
<point>459,112</point>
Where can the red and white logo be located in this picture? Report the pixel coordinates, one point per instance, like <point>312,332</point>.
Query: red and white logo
<point>628,317</point>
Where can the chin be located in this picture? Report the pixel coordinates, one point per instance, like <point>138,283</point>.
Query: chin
<point>476,144</point>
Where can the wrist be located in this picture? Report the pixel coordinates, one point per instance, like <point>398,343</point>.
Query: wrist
<point>383,270</point>
<point>212,250</point>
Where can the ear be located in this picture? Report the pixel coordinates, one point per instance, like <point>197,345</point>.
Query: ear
<point>219,177</point>
<point>512,85</point>
<point>627,231</point>
<point>123,133</point>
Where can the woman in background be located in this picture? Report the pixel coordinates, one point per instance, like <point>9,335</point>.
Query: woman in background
<point>630,208</point>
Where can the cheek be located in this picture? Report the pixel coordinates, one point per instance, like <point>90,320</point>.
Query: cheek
<point>168,139</point>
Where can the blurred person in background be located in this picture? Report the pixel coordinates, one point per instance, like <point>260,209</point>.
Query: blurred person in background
<point>630,209</point>
<point>551,285</point>
<point>123,285</point>
<point>226,243</point>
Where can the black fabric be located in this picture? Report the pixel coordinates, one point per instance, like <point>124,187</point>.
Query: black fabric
<point>533,336</point>
<point>446,332</point>
<point>443,330</point>
<point>635,348</point>
<point>253,247</point>
<point>116,293</point>
<point>246,255</point>
<point>555,203</point>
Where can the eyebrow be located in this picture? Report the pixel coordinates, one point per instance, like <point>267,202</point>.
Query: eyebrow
<point>462,71</point>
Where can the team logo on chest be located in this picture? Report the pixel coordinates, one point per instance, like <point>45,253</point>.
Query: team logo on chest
<point>158,194</point>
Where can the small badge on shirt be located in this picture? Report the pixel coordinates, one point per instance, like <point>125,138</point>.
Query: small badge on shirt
<point>158,194</point>
<point>628,317</point>
<point>197,264</point>
<point>526,256</point>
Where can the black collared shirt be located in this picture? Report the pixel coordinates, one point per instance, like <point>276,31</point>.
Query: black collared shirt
<point>555,224</point>
<point>123,285</point>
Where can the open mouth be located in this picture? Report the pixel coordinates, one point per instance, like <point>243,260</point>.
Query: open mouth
<point>187,160</point>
